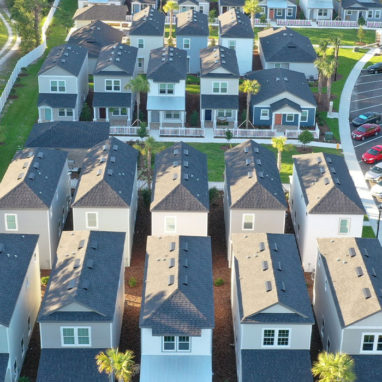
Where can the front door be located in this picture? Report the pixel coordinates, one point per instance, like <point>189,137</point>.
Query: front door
<point>208,114</point>
<point>48,114</point>
<point>278,119</point>
<point>271,14</point>
<point>102,113</point>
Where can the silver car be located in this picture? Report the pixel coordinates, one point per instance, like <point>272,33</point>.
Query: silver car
<point>375,173</point>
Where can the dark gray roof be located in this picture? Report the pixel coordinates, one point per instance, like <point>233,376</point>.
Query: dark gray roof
<point>256,185</point>
<point>119,55</point>
<point>57,100</point>
<point>151,2</point>
<point>367,367</point>
<point>186,305</point>
<point>284,102</point>
<point>4,357</point>
<point>288,287</point>
<point>15,258</point>
<point>327,185</point>
<point>75,252</point>
<point>236,24</point>
<point>212,101</point>
<point>112,99</point>
<point>286,45</point>
<point>69,135</point>
<point>192,23</point>
<point>107,177</point>
<point>232,3</point>
<point>180,181</point>
<point>147,22</point>
<point>69,365</point>
<point>68,57</point>
<point>94,36</point>
<point>360,5</point>
<point>31,181</point>
<point>107,12</point>
<point>269,365</point>
<point>276,81</point>
<point>167,64</point>
<point>218,57</point>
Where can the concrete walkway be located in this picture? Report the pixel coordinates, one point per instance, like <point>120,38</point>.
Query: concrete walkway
<point>347,144</point>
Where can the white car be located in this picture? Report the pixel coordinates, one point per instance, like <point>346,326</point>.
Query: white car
<point>376,190</point>
<point>375,173</point>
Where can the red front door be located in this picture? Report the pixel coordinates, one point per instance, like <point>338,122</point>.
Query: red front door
<point>271,14</point>
<point>278,119</point>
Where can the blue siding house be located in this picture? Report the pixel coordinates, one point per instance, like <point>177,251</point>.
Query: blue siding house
<point>278,9</point>
<point>285,100</point>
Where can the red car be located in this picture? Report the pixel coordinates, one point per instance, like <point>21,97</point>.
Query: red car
<point>365,131</point>
<point>373,155</point>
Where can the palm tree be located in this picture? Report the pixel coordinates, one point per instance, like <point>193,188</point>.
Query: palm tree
<point>322,48</point>
<point>252,7</point>
<point>169,8</point>
<point>336,42</point>
<point>334,367</point>
<point>279,143</point>
<point>319,64</point>
<point>328,69</point>
<point>250,87</point>
<point>121,365</point>
<point>138,85</point>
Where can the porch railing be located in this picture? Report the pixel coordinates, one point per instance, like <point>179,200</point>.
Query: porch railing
<point>337,24</point>
<point>123,130</point>
<point>181,132</point>
<point>374,24</point>
<point>294,22</point>
<point>245,133</point>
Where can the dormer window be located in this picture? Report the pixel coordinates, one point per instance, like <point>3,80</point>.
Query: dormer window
<point>232,44</point>
<point>113,85</point>
<point>186,43</point>
<point>57,86</point>
<point>166,88</point>
<point>141,43</point>
<point>219,87</point>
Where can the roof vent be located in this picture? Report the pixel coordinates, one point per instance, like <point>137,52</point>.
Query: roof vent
<point>352,252</point>
<point>115,147</point>
<point>261,174</point>
<point>176,152</point>
<point>373,272</point>
<point>25,165</point>
<point>329,160</point>
<point>102,160</point>
<point>172,246</point>
<point>326,181</point>
<point>268,286</point>
<point>322,170</point>
<point>171,280</point>
<point>250,174</point>
<point>40,155</point>
<point>175,163</point>
<point>36,165</point>
<point>256,149</point>
<point>359,271</point>
<point>105,147</point>
<point>185,152</point>
<point>63,60</point>
<point>275,247</point>
<point>333,170</point>
<point>338,181</point>
<point>186,176</point>
<point>280,268</point>
<point>118,59</point>
<point>283,287</point>
<point>185,263</point>
<point>366,252</point>
<point>99,172</point>
<point>71,284</point>
<point>172,262</point>
<point>185,246</point>
<point>112,159</point>
<point>81,244</point>
<point>90,264</point>
<point>1,247</point>
<point>185,163</point>
<point>366,293</point>
<point>30,154</point>
<point>319,160</point>
<point>258,161</point>
<point>20,176</point>
<point>261,246</point>
<point>174,176</point>
<point>31,176</point>
<point>110,172</point>
<point>77,263</point>
<point>185,280</point>
<point>247,162</point>
<point>94,244</point>
<point>265,265</point>
<point>85,284</point>
<point>246,149</point>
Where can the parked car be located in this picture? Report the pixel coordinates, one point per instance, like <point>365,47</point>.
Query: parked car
<point>375,173</point>
<point>365,131</point>
<point>373,155</point>
<point>369,117</point>
<point>376,68</point>
<point>376,190</point>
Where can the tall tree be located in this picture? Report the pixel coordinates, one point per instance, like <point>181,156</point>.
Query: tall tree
<point>249,87</point>
<point>323,48</point>
<point>328,69</point>
<point>279,143</point>
<point>169,8</point>
<point>319,64</point>
<point>252,7</point>
<point>115,363</point>
<point>336,42</point>
<point>331,367</point>
<point>138,85</point>
<point>24,19</point>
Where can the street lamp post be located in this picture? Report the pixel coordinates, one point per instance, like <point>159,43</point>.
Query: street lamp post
<point>379,218</point>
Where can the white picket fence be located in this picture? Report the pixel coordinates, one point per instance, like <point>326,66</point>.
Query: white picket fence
<point>27,59</point>
<point>293,22</point>
<point>374,24</point>
<point>124,130</point>
<point>245,133</point>
<point>181,132</point>
<point>337,24</point>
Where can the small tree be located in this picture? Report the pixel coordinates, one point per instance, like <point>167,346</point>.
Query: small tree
<point>169,8</point>
<point>336,42</point>
<point>334,367</point>
<point>142,131</point>
<point>194,119</point>
<point>361,34</point>
<point>252,8</point>
<point>319,64</point>
<point>305,137</point>
<point>250,87</point>
<point>170,41</point>
<point>228,137</point>
<point>361,21</point>
<point>323,48</point>
<point>138,85</point>
<point>211,16</point>
<point>328,70</point>
<point>86,113</point>
<point>279,143</point>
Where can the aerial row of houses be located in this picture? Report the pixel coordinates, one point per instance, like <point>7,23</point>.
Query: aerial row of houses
<point>82,309</point>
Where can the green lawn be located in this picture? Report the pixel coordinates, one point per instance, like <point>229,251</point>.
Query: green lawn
<point>3,34</point>
<point>332,123</point>
<point>367,232</point>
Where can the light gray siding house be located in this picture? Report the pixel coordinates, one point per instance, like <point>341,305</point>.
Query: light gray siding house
<point>166,100</point>
<point>271,309</point>
<point>20,299</point>
<point>177,311</point>
<point>146,33</point>
<point>107,194</point>
<point>353,10</point>
<point>347,301</point>
<point>278,9</point>
<point>226,5</point>
<point>180,199</point>
<point>235,32</point>
<point>192,35</point>
<point>81,313</point>
<point>63,84</point>
<point>254,199</point>
<point>35,198</point>
<point>112,101</point>
<point>194,5</point>
<point>86,3</point>
<point>139,5</point>
<point>323,203</point>
<point>318,9</point>
<point>286,48</point>
<point>94,37</point>
<point>219,87</point>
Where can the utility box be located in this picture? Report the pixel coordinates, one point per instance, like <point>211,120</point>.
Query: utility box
<point>329,136</point>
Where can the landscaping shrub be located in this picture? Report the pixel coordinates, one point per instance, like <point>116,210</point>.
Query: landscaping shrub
<point>214,194</point>
<point>219,282</point>
<point>132,282</point>
<point>305,137</point>
<point>142,131</point>
<point>24,379</point>
<point>44,280</point>
<point>146,196</point>
<point>194,119</point>
<point>86,113</point>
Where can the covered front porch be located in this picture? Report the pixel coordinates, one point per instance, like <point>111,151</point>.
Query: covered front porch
<point>286,114</point>
<point>219,111</point>
<point>112,107</point>
<point>166,111</point>
<point>280,9</point>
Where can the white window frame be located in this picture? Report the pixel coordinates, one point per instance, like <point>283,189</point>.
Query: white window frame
<point>289,12</point>
<point>264,117</point>
<point>114,82</point>
<point>68,112</point>
<point>189,43</point>
<point>339,226</point>
<point>375,343</point>
<point>287,118</point>
<point>377,14</point>
<point>232,44</point>
<point>224,113</point>
<point>141,41</point>
<point>165,224</point>
<point>176,345</point>
<point>276,337</point>
<point>279,12</point>
<point>322,12</point>
<point>262,10</point>
<point>168,350</point>
<point>76,344</point>
<point>307,116</point>
<point>220,87</point>
<point>370,14</point>
<point>140,62</point>
<point>349,13</point>
<point>171,115</point>
<point>117,112</point>
<point>253,222</point>
<point>167,88</point>
<point>87,220</point>
<point>57,86</point>
<point>6,223</point>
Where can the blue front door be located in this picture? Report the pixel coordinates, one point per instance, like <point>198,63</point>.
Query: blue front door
<point>208,115</point>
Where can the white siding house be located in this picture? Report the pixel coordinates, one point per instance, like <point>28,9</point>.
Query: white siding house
<point>317,9</point>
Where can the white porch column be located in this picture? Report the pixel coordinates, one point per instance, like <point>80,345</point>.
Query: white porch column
<point>202,117</point>
<point>273,121</point>
<point>160,119</point>
<point>183,116</point>
<point>235,121</point>
<point>107,114</point>
<point>149,118</point>
<point>298,120</point>
<point>94,114</point>
<point>39,115</point>
<point>214,117</point>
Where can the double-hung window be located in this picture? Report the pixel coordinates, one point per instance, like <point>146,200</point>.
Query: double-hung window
<point>169,343</point>
<point>57,86</point>
<point>322,12</point>
<point>232,44</point>
<point>290,117</point>
<point>176,344</point>
<point>91,220</point>
<point>118,111</point>
<point>248,222</point>
<point>172,115</point>
<point>170,224</point>
<point>166,88</point>
<point>11,222</point>
<point>344,226</point>
<point>370,14</point>
<point>304,116</point>
<point>224,113</point>
<point>186,43</point>
<point>264,114</point>
<point>290,12</point>
<point>372,343</point>
<point>141,43</point>
<point>276,337</point>
<point>113,85</point>
<point>377,14</point>
<point>219,87</point>
<point>75,336</point>
<point>65,112</point>
<point>279,12</point>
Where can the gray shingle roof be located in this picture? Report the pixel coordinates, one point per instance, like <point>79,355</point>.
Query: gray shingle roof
<point>107,12</point>
<point>57,100</point>
<point>212,101</point>
<point>167,64</point>
<point>276,365</point>
<point>94,36</point>
<point>15,258</point>
<point>4,357</point>
<point>276,81</point>
<point>192,23</point>
<point>360,4</point>
<point>95,274</point>
<point>69,57</point>
<point>30,181</point>
<point>180,181</point>
<point>119,55</point>
<point>147,22</point>
<point>288,287</point>
<point>232,3</point>
<point>69,135</point>
<point>256,185</point>
<point>327,185</point>
<point>218,57</point>
<point>108,174</point>
<point>346,286</point>
<point>367,367</point>
<point>111,99</point>
<point>286,45</point>
<point>187,305</point>
<point>69,365</point>
<point>235,24</point>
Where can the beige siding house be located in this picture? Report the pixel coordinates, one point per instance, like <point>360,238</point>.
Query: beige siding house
<point>254,200</point>
<point>35,198</point>
<point>81,313</point>
<point>180,200</point>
